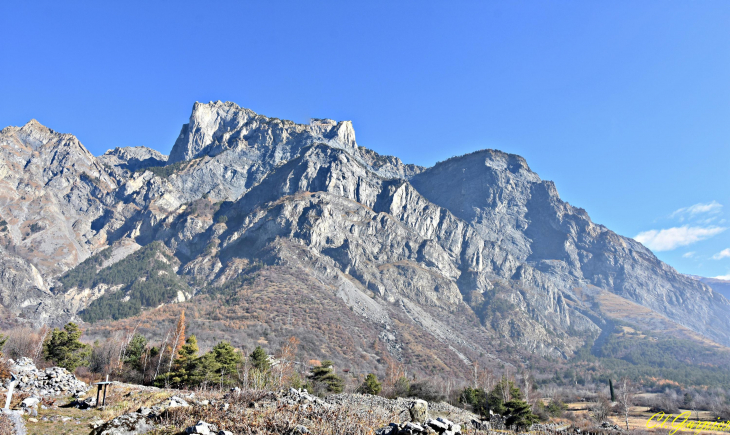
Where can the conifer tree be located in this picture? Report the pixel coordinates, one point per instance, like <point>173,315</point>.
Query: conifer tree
<point>134,351</point>
<point>325,376</point>
<point>185,365</point>
<point>519,414</point>
<point>260,359</point>
<point>610,386</point>
<point>64,348</point>
<point>370,385</point>
<point>227,358</point>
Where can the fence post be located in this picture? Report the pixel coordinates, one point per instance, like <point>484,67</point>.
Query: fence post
<point>13,382</point>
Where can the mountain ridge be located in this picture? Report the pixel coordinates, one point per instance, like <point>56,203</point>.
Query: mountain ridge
<point>476,238</point>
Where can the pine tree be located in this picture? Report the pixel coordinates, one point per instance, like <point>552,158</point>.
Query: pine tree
<point>64,348</point>
<point>185,365</point>
<point>260,359</point>
<point>204,370</point>
<point>134,351</point>
<point>325,376</point>
<point>370,385</point>
<point>519,414</point>
<point>227,358</point>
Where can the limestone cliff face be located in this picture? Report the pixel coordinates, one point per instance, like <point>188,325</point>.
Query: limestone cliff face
<point>474,250</point>
<point>507,203</point>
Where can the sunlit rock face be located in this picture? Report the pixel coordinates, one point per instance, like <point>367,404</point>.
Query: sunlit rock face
<point>471,251</point>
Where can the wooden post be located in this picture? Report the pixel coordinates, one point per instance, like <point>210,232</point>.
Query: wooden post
<point>106,384</point>
<point>13,382</point>
<point>98,392</point>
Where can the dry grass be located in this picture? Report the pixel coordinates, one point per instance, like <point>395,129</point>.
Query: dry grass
<point>59,418</point>
<point>637,419</point>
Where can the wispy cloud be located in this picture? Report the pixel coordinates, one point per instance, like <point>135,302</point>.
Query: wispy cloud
<point>672,238</point>
<point>689,254</point>
<point>722,254</point>
<point>697,209</point>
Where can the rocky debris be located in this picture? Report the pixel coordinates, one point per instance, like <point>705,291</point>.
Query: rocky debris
<point>202,428</point>
<point>133,423</point>
<point>400,405</point>
<point>51,382</point>
<point>294,396</point>
<point>160,408</point>
<point>497,422</point>
<point>17,420</point>
<point>550,427</point>
<point>610,426</point>
<point>30,402</point>
<point>444,426</point>
<point>87,403</point>
<point>439,426</point>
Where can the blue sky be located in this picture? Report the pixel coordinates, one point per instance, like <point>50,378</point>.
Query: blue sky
<point>625,105</point>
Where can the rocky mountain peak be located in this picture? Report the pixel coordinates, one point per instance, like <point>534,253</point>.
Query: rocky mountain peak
<point>217,126</point>
<point>33,134</point>
<point>342,132</point>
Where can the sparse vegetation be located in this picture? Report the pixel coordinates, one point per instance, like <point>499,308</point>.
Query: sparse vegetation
<point>146,279</point>
<point>167,170</point>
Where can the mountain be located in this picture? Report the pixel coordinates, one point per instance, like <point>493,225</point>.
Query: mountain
<point>264,228</point>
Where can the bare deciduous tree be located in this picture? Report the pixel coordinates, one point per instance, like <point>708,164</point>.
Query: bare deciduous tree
<point>601,409</point>
<point>625,397</point>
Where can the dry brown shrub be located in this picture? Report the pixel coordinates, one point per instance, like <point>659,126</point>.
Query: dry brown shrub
<point>4,368</point>
<point>25,342</point>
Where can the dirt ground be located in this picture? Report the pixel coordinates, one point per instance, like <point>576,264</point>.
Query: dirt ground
<point>59,418</point>
<point>639,416</point>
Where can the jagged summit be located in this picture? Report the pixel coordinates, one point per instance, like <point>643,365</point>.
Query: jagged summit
<point>217,126</point>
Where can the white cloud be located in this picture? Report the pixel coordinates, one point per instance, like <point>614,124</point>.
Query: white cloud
<point>722,254</point>
<point>693,210</point>
<point>689,254</point>
<point>672,238</point>
<point>725,277</point>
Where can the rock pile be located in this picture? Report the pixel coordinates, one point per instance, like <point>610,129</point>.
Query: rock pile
<point>400,405</point>
<point>53,381</point>
<point>439,426</point>
<point>610,426</point>
<point>138,422</point>
<point>294,396</point>
<point>203,428</point>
